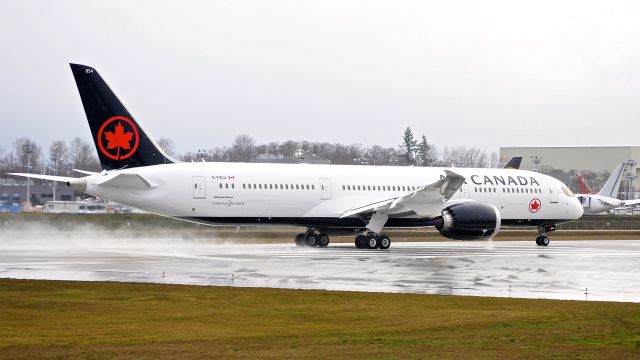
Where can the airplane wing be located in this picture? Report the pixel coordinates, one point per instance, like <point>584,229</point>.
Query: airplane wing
<point>426,201</point>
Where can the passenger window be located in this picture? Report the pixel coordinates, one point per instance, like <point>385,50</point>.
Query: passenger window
<point>233,186</point>
<point>308,187</point>
<point>286,186</point>
<point>313,187</point>
<point>220,185</point>
<point>369,187</point>
<point>358,187</point>
<point>226,186</point>
<point>296,186</point>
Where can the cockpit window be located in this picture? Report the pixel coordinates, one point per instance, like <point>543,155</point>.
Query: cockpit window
<point>567,192</point>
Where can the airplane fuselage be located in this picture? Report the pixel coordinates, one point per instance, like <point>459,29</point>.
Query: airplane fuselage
<point>318,195</point>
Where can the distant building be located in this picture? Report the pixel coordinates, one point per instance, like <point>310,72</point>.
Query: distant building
<point>15,190</point>
<point>567,158</point>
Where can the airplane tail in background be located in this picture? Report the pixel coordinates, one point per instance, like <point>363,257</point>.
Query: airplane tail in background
<point>121,141</point>
<point>514,163</point>
<point>584,187</point>
<point>612,185</point>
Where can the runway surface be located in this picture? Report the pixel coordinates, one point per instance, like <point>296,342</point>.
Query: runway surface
<point>608,270</point>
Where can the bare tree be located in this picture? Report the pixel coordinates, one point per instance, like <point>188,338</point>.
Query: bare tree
<point>272,148</point>
<point>219,154</point>
<point>242,148</point>
<point>167,146</point>
<point>28,154</point>
<point>461,156</point>
<point>59,158</point>
<point>494,160</point>
<point>82,155</point>
<point>288,148</point>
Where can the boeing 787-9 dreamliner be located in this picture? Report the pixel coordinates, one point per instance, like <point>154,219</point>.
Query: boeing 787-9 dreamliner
<point>326,200</point>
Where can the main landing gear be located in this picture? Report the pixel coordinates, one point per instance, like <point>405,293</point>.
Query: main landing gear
<point>313,239</point>
<point>372,241</point>
<point>543,239</point>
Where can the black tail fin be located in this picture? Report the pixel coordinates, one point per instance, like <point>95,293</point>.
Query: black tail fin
<point>514,163</point>
<point>121,142</point>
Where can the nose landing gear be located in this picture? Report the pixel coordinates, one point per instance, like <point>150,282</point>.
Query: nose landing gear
<point>543,239</point>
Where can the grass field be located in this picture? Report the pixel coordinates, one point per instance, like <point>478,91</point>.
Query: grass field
<point>103,320</point>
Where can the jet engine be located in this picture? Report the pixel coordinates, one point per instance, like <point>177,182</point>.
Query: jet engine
<point>468,221</point>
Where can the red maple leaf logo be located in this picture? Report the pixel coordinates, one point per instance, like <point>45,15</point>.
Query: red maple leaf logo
<point>534,205</point>
<point>118,139</point>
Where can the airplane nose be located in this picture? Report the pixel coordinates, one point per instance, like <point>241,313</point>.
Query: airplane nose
<point>577,207</point>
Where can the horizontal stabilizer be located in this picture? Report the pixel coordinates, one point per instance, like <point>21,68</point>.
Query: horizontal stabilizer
<point>85,172</point>
<point>45,177</point>
<point>79,184</point>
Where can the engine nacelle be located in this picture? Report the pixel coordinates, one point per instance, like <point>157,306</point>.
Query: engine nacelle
<point>469,221</point>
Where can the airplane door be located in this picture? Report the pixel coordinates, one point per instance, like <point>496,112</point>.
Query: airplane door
<point>199,189</point>
<point>325,189</point>
<point>553,194</point>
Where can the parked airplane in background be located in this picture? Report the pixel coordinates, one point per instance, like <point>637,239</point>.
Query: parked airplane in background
<point>461,203</point>
<point>606,199</point>
<point>514,163</point>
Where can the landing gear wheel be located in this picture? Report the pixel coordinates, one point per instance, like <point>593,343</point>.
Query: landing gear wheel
<point>372,242</point>
<point>300,240</point>
<point>311,240</point>
<point>323,240</point>
<point>361,242</point>
<point>544,241</point>
<point>538,241</point>
<point>384,242</point>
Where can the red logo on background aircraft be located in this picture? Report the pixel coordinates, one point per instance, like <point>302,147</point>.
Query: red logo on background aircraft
<point>121,137</point>
<point>535,205</point>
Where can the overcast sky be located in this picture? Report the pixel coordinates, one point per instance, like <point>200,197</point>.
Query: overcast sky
<point>475,73</point>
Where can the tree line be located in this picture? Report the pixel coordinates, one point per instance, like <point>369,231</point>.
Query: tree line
<point>409,152</point>
<point>61,157</point>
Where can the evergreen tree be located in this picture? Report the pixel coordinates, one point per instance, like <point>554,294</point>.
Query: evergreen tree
<point>424,152</point>
<point>409,146</point>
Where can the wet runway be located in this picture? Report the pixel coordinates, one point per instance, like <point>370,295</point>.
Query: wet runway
<point>608,270</point>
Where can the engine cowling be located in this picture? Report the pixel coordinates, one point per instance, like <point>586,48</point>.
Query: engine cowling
<point>468,221</point>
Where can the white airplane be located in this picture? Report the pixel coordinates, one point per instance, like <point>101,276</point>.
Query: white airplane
<point>606,199</point>
<point>461,203</point>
